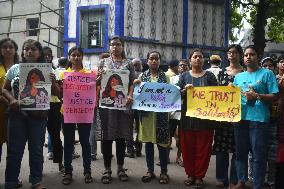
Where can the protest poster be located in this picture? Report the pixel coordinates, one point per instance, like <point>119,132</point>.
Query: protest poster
<point>114,89</point>
<point>219,103</point>
<point>79,94</point>
<point>156,97</point>
<point>34,86</point>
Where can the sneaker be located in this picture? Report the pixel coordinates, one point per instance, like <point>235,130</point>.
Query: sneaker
<point>75,155</point>
<point>49,156</point>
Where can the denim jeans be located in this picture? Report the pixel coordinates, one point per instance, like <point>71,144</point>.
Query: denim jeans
<point>92,139</point>
<point>222,166</point>
<point>149,150</point>
<point>22,128</point>
<point>69,137</point>
<point>254,135</point>
<point>49,144</point>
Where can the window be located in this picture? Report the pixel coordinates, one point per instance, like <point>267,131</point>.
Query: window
<point>92,28</point>
<point>32,23</point>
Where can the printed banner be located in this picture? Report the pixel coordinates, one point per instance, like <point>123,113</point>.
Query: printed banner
<point>35,86</point>
<point>222,103</point>
<point>114,89</point>
<point>156,97</point>
<point>79,94</point>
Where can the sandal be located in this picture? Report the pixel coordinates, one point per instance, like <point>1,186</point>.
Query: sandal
<point>122,175</point>
<point>189,182</point>
<point>88,178</point>
<point>148,177</point>
<point>199,184</point>
<point>179,162</point>
<point>67,179</point>
<point>164,178</point>
<point>106,178</point>
<point>37,186</point>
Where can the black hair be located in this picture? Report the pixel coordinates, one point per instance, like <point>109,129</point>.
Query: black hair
<point>75,48</point>
<point>46,48</point>
<point>37,44</point>
<point>281,57</point>
<point>254,48</point>
<point>193,51</point>
<point>173,63</point>
<point>62,62</point>
<point>108,86</point>
<point>240,51</point>
<point>37,72</point>
<point>122,43</point>
<point>154,51</point>
<point>16,57</point>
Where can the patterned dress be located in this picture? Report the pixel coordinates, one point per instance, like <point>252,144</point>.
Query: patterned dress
<point>111,123</point>
<point>224,132</point>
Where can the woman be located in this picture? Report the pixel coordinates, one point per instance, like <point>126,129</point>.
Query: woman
<point>54,144</point>
<point>279,182</point>
<point>75,64</point>
<point>154,127</point>
<point>224,133</point>
<point>27,125</point>
<point>196,135</point>
<point>259,89</point>
<point>8,57</point>
<point>115,124</point>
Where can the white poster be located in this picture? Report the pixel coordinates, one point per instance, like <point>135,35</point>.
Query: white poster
<point>114,89</point>
<point>35,86</point>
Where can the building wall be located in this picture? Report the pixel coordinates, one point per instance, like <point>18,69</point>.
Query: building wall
<point>19,23</point>
<point>172,27</point>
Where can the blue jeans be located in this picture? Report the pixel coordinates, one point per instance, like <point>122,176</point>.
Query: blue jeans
<point>49,144</point>
<point>20,130</point>
<point>222,166</point>
<point>69,137</point>
<point>254,135</point>
<point>149,150</point>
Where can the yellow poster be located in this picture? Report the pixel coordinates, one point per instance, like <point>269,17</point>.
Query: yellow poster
<point>222,103</point>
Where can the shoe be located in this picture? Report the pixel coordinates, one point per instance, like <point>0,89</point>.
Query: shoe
<point>61,169</point>
<point>75,155</point>
<point>49,156</point>
<point>219,184</point>
<point>130,155</point>
<point>138,154</point>
<point>93,157</point>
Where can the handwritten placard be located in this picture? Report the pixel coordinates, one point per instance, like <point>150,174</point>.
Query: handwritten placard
<point>114,89</point>
<point>34,86</point>
<point>156,97</point>
<point>222,103</point>
<point>79,94</point>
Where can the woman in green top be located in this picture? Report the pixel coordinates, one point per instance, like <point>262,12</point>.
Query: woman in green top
<point>154,127</point>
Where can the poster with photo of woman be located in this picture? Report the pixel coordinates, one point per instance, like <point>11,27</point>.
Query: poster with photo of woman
<point>35,86</point>
<point>114,89</point>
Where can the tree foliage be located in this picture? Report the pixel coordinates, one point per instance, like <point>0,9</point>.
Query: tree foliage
<point>265,16</point>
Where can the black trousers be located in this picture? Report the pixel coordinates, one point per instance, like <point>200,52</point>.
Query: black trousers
<point>279,181</point>
<point>107,151</point>
<point>54,127</point>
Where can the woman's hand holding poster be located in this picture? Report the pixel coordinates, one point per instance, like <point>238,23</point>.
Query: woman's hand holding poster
<point>79,97</point>
<point>219,103</point>
<point>156,97</point>
<point>114,89</point>
<point>35,86</point>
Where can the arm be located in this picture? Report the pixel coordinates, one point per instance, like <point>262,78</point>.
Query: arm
<point>13,103</point>
<point>55,88</point>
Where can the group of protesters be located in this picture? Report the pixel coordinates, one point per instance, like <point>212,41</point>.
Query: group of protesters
<point>258,135</point>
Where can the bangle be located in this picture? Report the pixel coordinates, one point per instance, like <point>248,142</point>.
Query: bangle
<point>258,96</point>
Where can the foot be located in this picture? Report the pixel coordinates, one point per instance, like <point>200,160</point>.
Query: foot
<point>106,177</point>
<point>189,182</point>
<point>129,155</point>
<point>37,186</point>
<point>61,169</point>
<point>49,156</point>
<point>179,162</point>
<point>220,184</point>
<point>75,155</point>
<point>122,175</point>
<point>88,178</point>
<point>164,178</point>
<point>148,176</point>
<point>199,184</point>
<point>67,180</point>
<point>93,157</point>
<point>240,185</point>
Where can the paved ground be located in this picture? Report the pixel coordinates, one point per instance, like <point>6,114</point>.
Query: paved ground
<point>136,168</point>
